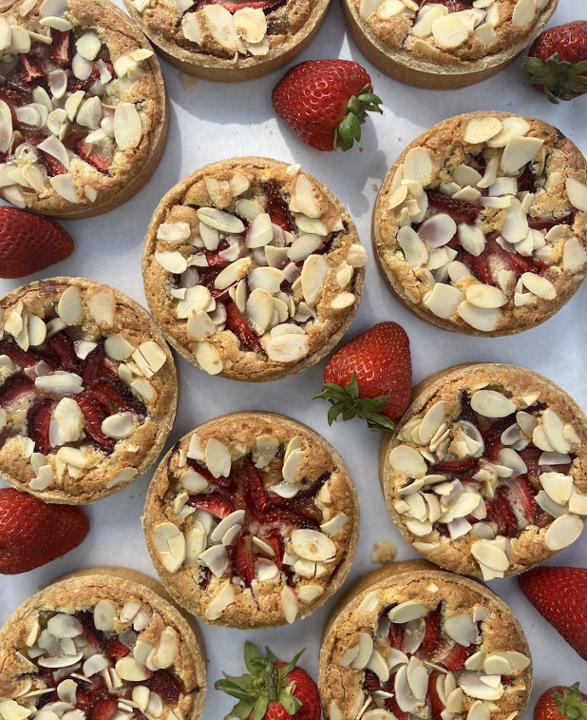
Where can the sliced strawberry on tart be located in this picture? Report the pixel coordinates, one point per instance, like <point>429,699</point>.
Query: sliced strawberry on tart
<point>253,269</point>
<point>252,520</point>
<point>87,390</point>
<point>485,474</point>
<point>479,227</point>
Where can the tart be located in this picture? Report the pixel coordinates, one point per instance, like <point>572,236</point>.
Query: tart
<point>100,645</point>
<point>444,44</point>
<point>409,640</point>
<point>252,269</point>
<point>252,520</point>
<point>486,474</point>
<point>480,225</point>
<point>83,108</point>
<point>88,390</point>
<point>229,40</point>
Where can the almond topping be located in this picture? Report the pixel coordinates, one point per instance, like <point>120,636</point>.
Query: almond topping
<point>479,318</point>
<point>128,128</point>
<point>485,296</point>
<point>483,129</point>
<point>208,358</point>
<point>444,300</point>
<point>577,193</point>
<point>289,604</point>
<point>405,459</point>
<point>221,601</point>
<point>406,611</point>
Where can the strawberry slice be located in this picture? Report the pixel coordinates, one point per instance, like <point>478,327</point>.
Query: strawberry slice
<point>531,456</point>
<point>492,436</point>
<point>460,211</point>
<point>479,266</point>
<point>31,68</point>
<point>112,392</point>
<point>233,5</point>
<point>94,415</point>
<point>93,363</point>
<point>166,685</point>
<point>104,709</point>
<point>215,503</point>
<point>541,517</point>
<point>22,358</point>
<point>14,388</point>
<point>214,259</point>
<point>394,708</point>
<point>523,493</point>
<point>225,482</point>
<point>275,542</point>
<point>236,323</point>
<point>304,497</point>
<point>60,46</point>
<point>455,466</point>
<point>433,699</point>
<point>371,683</point>
<point>452,5</point>
<point>38,421</point>
<point>283,519</point>
<point>396,635</point>
<point>526,181</point>
<point>500,512</point>
<point>455,660</point>
<point>52,164</point>
<point>94,156</point>
<point>541,224</point>
<point>243,559</point>
<point>115,649</point>
<point>276,207</point>
<point>432,634</point>
<point>61,345</point>
<point>256,489</point>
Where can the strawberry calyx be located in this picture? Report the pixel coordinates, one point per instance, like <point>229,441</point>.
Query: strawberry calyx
<point>348,403</point>
<point>560,79</point>
<point>265,683</point>
<point>570,702</point>
<point>349,128</point>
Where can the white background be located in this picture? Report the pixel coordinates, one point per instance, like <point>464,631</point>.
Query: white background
<point>218,121</point>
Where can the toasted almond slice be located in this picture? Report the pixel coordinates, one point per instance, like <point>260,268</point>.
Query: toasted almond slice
<point>287,348</point>
<point>490,555</point>
<point>558,487</point>
<point>444,300</point>
<point>524,12</point>
<point>208,358</point>
<point>449,32</point>
<point>574,255</point>
<point>405,459</point>
<point>406,611</point>
<point>577,193</point>
<point>265,278</point>
<point>439,229</point>
<point>539,285</point>
<point>553,428</point>
<point>472,239</point>
<point>234,272</point>
<point>305,197</point>
<point>260,232</point>
<point>563,532</point>
<point>221,26</point>
<point>313,545</point>
<point>511,126</point>
<point>418,166</point>
<point>482,319</point>
<point>221,601</point>
<point>289,604</point>
<point>218,458</point>
<point>461,629</point>
<point>517,660</point>
<point>314,272</point>
<point>403,693</point>
<point>481,130</point>
<point>414,249</point>
<point>174,262</point>
<point>478,711</point>
<point>519,151</point>
<point>128,129</point>
<point>490,403</point>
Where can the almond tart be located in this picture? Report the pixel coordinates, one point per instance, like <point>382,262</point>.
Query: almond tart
<point>480,225</point>
<point>486,473</point>
<point>409,640</point>
<point>252,520</point>
<point>83,109</point>
<point>101,645</point>
<point>229,40</point>
<point>252,269</point>
<point>88,390</point>
<point>444,44</point>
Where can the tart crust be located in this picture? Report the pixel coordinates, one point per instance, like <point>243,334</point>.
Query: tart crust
<point>162,27</point>
<point>418,581</point>
<point>130,168</point>
<point>444,144</point>
<point>81,590</point>
<point>443,70</point>
<point>134,454</point>
<point>238,432</point>
<point>321,335</point>
<point>529,547</point>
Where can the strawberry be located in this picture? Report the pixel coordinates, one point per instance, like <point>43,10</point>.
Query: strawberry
<point>273,690</point>
<point>94,415</point>
<point>33,533</point>
<point>38,421</point>
<point>394,708</point>
<point>561,702</point>
<point>560,596</point>
<point>104,709</point>
<point>325,102</point>
<point>93,155</point>
<point>237,324</point>
<point>557,61</point>
<point>457,467</point>
<point>29,243</point>
<point>523,493</point>
<point>461,211</point>
<point>62,347</point>
<point>255,486</point>
<point>276,207</point>
<point>370,376</point>
<point>166,685</point>
<point>244,559</point>
<point>115,649</point>
<point>501,513</point>
<point>432,629</point>
<point>215,504</point>
<point>396,635</point>
<point>14,388</point>
<point>60,46</point>
<point>371,683</point>
<point>455,660</point>
<point>114,394</point>
<point>433,698</point>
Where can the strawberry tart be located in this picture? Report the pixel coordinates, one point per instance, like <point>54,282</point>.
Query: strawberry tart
<point>444,44</point>
<point>409,640</point>
<point>101,644</point>
<point>252,520</point>
<point>229,40</point>
<point>88,390</point>
<point>480,225</point>
<point>252,269</point>
<point>486,473</point>
<point>83,108</point>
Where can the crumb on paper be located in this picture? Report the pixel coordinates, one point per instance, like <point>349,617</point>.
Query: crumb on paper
<point>189,83</point>
<point>374,186</point>
<point>383,552</point>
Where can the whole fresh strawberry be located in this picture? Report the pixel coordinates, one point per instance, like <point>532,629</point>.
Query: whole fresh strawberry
<point>29,243</point>
<point>557,61</point>
<point>33,533</point>
<point>274,690</point>
<point>561,702</point>
<point>325,102</point>
<point>371,377</point>
<point>560,595</point>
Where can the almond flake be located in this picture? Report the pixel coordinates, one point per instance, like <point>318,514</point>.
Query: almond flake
<point>174,262</point>
<point>118,348</point>
<point>312,545</point>
<point>218,458</point>
<point>304,197</point>
<point>129,669</point>
<point>483,129</point>
<point>478,711</point>
<point>289,604</point>
<point>208,358</point>
<point>524,12</point>
<point>515,227</point>
<point>343,300</point>
<point>314,272</point>
<point>418,166</point>
<point>472,239</point>
<point>444,300</point>
<point>101,306</point>
<point>519,151</point>
<point>563,532</point>
<point>577,193</point>
<point>356,256</point>
<point>485,296</point>
<point>461,629</point>
<point>511,126</point>
<point>439,229</point>
<point>490,555</point>
<point>128,128</point>
<point>221,601</point>
<point>414,249</point>
<point>174,232</point>
<point>479,318</point>
<point>405,459</point>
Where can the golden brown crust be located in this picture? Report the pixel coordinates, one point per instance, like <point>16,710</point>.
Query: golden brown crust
<point>81,592</point>
<point>239,432</point>
<point>529,546</point>
<point>388,45</point>
<point>360,610</point>
<point>447,149</point>
<point>100,475</point>
<point>130,168</point>
<point>291,29</point>
<point>321,334</point>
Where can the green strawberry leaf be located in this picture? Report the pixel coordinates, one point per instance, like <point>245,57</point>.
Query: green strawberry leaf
<point>260,708</point>
<point>290,704</point>
<point>349,128</point>
<point>231,688</point>
<point>252,657</point>
<point>570,703</point>
<point>241,710</point>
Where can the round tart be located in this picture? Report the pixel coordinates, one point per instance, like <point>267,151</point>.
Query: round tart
<point>486,473</point>
<point>444,44</point>
<point>409,640</point>
<point>479,226</point>
<point>253,269</point>
<point>83,108</point>
<point>252,520</point>
<point>229,40</point>
<point>101,645</point>
<point>88,390</point>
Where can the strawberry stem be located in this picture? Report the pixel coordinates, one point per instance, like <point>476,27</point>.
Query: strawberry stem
<point>560,78</point>
<point>570,703</point>
<point>357,108</point>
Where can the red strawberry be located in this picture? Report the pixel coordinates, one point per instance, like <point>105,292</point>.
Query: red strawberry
<point>33,533</point>
<point>371,683</point>
<point>93,155</point>
<point>500,512</point>
<point>256,487</point>
<point>38,421</point>
<point>14,388</point>
<point>113,393</point>
<point>432,629</point>
<point>281,690</point>
<point>370,376</point>
<point>166,685</point>
<point>275,541</point>
<point>557,61</point>
<point>456,658</point>
<point>93,363</point>
<point>560,595</point>
<point>29,243</point>
<point>436,704</point>
<point>19,356</point>
<point>396,635</point>
<point>524,494</point>
<point>460,211</point>
<point>456,466</point>
<point>548,224</point>
<point>215,503</point>
<point>244,559</point>
<point>104,709</point>
<point>53,165</point>
<point>115,649</point>
<point>452,5</point>
<point>237,324</point>
<point>94,416</point>
<point>233,5</point>
<point>561,702</point>
<point>325,102</point>
<point>61,345</point>
<point>394,708</point>
<point>60,46</point>
<point>276,207</point>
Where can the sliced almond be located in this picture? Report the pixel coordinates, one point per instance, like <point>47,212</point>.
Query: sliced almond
<point>223,599</point>
<point>553,428</point>
<point>461,629</point>
<point>208,358</point>
<point>234,272</point>
<point>444,300</point>
<point>577,193</point>
<point>519,151</point>
<point>313,545</point>
<point>539,285</point>
<point>524,12</point>
<point>490,555</point>
<point>287,348</point>
<point>406,611</point>
<point>129,669</point>
<point>414,249</point>
<point>418,166</point>
<point>218,458</point>
<point>289,604</point>
<point>563,532</point>
<point>69,307</point>
<point>128,129</point>
<point>490,403</point>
